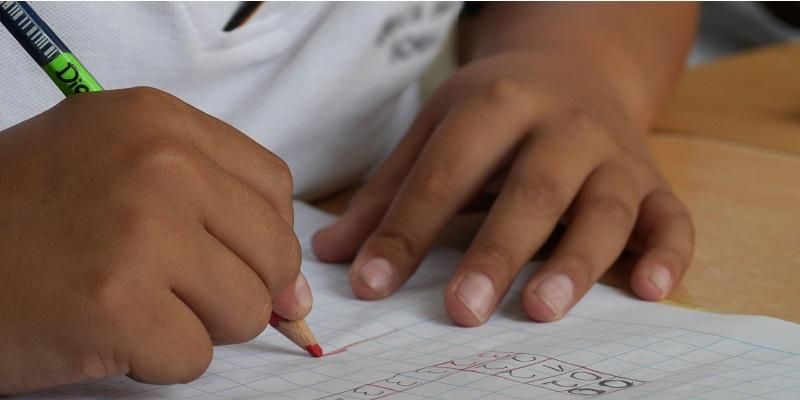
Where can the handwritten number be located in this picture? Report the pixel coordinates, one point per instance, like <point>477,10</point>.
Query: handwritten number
<point>522,358</point>
<point>607,383</point>
<point>365,391</point>
<point>494,355</point>
<point>486,366</point>
<point>514,373</point>
<point>400,382</point>
<point>586,391</point>
<point>525,372</point>
<point>591,377</point>
<point>556,383</point>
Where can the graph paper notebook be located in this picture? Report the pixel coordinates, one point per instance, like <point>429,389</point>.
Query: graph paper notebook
<point>404,348</point>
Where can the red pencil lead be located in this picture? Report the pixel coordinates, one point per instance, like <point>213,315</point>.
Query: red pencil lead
<point>298,332</point>
<point>314,350</point>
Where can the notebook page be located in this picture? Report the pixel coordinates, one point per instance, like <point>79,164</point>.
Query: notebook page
<point>610,346</point>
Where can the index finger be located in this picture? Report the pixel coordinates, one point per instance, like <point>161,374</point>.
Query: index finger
<point>460,155</point>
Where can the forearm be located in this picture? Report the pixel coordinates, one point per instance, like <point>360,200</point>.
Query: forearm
<point>636,51</point>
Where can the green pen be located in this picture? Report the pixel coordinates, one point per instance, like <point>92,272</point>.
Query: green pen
<point>46,49</point>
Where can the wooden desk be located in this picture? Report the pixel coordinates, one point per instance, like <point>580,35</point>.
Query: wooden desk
<point>752,98</point>
<point>734,160</point>
<point>746,207</point>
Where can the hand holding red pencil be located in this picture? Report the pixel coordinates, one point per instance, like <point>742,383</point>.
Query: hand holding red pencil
<point>138,232</point>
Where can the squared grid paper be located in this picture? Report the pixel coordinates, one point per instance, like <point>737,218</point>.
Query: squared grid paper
<point>609,347</point>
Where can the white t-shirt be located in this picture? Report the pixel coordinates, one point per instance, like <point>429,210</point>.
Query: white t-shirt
<point>329,87</point>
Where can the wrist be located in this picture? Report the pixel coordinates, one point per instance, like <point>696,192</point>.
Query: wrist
<point>635,51</point>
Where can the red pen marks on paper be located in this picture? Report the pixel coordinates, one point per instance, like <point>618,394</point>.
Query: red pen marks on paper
<point>343,349</point>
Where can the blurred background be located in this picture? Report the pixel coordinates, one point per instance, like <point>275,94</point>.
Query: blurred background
<point>729,27</point>
<point>726,28</point>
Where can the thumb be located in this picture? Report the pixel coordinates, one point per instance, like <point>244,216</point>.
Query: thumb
<point>294,302</point>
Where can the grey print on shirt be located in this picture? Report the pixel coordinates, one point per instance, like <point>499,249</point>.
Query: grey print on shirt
<point>404,34</point>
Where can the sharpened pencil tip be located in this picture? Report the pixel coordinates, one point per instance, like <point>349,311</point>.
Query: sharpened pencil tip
<point>314,350</point>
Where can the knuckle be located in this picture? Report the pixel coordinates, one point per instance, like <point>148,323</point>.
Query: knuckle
<point>433,186</point>
<point>579,122</point>
<point>398,242</point>
<point>373,198</point>
<point>167,115</point>
<point>579,117</point>
<point>505,92</point>
<point>541,192</point>
<point>615,208</point>
<point>148,97</point>
<point>163,161</point>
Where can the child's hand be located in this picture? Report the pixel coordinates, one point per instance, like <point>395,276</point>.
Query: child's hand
<point>137,232</point>
<point>563,146</point>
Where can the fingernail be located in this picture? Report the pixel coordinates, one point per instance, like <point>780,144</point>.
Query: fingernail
<point>556,293</point>
<point>302,292</point>
<point>476,292</point>
<point>662,279</point>
<point>377,274</point>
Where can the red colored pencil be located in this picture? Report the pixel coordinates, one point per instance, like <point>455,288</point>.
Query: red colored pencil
<point>298,332</point>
